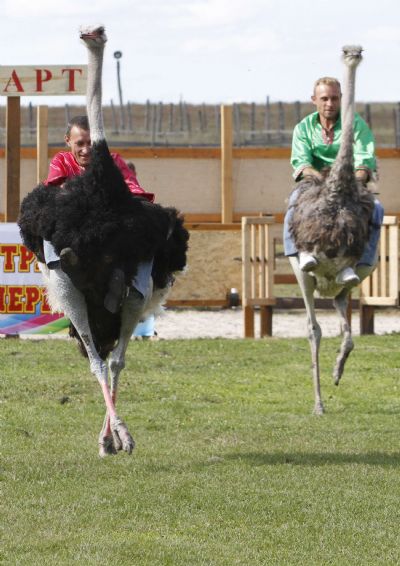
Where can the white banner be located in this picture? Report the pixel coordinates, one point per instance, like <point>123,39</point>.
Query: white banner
<point>42,80</point>
<point>23,305</point>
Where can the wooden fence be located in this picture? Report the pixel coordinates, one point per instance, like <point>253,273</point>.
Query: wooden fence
<point>157,124</point>
<point>381,289</point>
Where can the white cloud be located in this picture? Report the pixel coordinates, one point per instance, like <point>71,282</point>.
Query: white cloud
<point>384,34</point>
<point>224,12</point>
<point>234,43</point>
<point>212,49</point>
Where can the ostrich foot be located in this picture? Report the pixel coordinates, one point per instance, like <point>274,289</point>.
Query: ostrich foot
<point>318,409</point>
<point>106,446</point>
<point>121,435</point>
<point>338,371</point>
<point>337,374</point>
<point>340,362</point>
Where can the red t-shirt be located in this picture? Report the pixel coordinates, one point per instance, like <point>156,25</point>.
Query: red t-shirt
<point>64,165</point>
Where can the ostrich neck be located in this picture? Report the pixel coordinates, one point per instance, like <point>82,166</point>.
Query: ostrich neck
<point>93,95</point>
<point>345,154</point>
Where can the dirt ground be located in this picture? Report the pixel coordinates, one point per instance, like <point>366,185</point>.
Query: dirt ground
<point>228,323</point>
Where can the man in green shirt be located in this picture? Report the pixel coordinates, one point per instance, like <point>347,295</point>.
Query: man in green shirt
<point>315,145</point>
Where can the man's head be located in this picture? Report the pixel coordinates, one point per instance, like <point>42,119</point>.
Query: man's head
<point>77,138</point>
<point>326,98</point>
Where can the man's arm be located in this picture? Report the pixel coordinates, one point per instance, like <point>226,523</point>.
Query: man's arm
<point>301,158</point>
<point>364,150</point>
<point>57,171</point>
<point>130,178</point>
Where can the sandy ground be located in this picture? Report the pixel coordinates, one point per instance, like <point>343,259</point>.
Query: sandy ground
<point>228,323</point>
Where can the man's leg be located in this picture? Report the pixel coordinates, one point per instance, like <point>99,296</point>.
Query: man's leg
<point>51,257</point>
<point>370,250</point>
<point>307,262</point>
<point>117,287</point>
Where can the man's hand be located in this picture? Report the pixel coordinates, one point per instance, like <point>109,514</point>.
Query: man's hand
<point>311,172</point>
<point>362,176</point>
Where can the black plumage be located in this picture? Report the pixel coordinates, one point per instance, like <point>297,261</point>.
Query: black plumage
<point>107,227</point>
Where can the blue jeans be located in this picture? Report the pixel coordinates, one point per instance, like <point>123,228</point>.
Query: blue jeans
<point>369,253</point>
<point>141,281</point>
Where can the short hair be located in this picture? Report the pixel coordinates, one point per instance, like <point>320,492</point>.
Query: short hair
<point>78,121</point>
<point>327,81</point>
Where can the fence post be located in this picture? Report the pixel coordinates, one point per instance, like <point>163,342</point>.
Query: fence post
<point>237,126</point>
<point>201,120</point>
<point>252,120</point>
<point>181,117</point>
<point>368,118</point>
<point>396,120</point>
<point>153,121</point>
<point>67,114</point>
<point>114,118</point>
<point>226,164</point>
<point>12,158</point>
<point>159,117</point>
<point>204,110</point>
<point>188,120</point>
<point>171,118</point>
<point>297,111</point>
<point>267,119</point>
<point>281,122</point>
<point>31,121</point>
<point>147,116</point>
<point>217,114</point>
<point>130,117</point>
<point>42,142</point>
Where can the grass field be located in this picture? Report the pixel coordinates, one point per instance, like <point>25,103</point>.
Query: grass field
<point>230,467</point>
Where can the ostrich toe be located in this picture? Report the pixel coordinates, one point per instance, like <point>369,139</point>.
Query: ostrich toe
<point>106,446</point>
<point>121,435</point>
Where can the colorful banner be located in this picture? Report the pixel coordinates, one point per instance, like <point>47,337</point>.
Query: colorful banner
<point>23,305</point>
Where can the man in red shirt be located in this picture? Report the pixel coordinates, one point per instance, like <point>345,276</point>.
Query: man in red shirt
<point>66,164</point>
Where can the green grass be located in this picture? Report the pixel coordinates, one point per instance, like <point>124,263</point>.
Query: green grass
<point>230,466</point>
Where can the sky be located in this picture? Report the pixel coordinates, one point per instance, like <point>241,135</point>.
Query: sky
<point>211,51</point>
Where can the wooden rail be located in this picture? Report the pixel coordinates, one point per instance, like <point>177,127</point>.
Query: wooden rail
<point>381,288</point>
<point>257,273</point>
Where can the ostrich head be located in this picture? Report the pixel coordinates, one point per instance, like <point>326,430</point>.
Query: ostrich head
<point>352,55</point>
<point>93,36</point>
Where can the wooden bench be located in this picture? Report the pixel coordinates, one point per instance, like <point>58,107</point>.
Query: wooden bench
<point>381,288</point>
<point>259,236</point>
<point>257,273</point>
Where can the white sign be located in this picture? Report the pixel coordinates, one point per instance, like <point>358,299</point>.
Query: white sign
<point>43,80</point>
<point>23,305</point>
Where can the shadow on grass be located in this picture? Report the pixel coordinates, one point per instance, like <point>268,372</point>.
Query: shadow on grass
<point>317,459</point>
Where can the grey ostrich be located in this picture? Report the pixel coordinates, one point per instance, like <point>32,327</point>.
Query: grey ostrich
<point>106,230</point>
<point>331,221</point>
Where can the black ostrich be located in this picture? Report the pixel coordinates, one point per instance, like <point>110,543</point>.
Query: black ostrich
<point>106,230</point>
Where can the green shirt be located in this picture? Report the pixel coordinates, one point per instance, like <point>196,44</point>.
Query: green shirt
<point>310,149</point>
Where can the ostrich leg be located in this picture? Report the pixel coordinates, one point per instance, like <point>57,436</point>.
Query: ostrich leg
<point>340,302</point>
<point>74,307</point>
<point>307,286</point>
<point>112,435</point>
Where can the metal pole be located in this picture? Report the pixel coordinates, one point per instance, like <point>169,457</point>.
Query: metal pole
<point>117,56</point>
<point>267,119</point>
